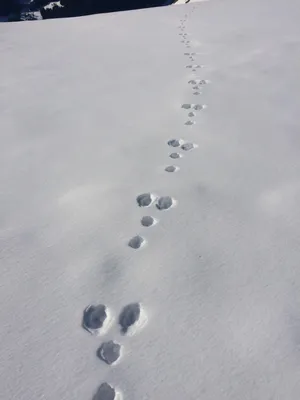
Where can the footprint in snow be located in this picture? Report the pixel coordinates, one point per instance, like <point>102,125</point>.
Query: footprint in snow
<point>165,202</point>
<point>175,155</point>
<point>190,123</point>
<point>193,66</point>
<point>96,319</point>
<point>191,114</point>
<point>109,352</point>
<point>191,54</point>
<point>198,82</point>
<point>107,392</point>
<point>199,107</point>
<point>171,168</point>
<point>137,242</point>
<point>195,107</point>
<point>186,106</point>
<point>145,199</point>
<point>189,146</point>
<point>132,318</point>
<point>147,221</point>
<point>175,142</point>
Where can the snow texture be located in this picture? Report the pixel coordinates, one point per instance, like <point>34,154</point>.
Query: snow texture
<point>87,107</point>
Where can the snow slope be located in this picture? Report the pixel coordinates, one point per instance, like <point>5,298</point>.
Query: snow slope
<point>88,106</point>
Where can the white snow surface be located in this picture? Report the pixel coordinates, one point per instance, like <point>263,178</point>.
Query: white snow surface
<point>179,2</point>
<point>53,4</point>
<point>87,108</point>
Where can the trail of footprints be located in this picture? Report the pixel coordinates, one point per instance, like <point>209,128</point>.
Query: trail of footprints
<point>97,319</point>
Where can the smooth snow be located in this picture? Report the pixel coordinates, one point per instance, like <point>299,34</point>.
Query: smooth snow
<point>88,106</point>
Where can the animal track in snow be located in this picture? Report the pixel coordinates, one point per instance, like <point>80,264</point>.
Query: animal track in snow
<point>186,106</point>
<point>191,54</point>
<point>109,352</point>
<point>199,107</point>
<point>196,93</point>
<point>96,319</point>
<point>165,202</point>
<point>198,82</point>
<point>189,123</point>
<point>136,242</point>
<point>145,199</point>
<point>147,221</point>
<point>132,318</point>
<point>107,392</point>
<point>171,168</point>
<point>188,146</point>
<point>175,155</point>
<point>191,114</point>
<point>175,142</point>
<point>195,107</point>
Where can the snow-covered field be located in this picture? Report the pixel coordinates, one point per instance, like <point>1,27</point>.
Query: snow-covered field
<point>89,110</point>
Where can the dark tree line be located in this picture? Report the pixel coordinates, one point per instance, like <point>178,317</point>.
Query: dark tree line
<point>73,8</point>
<point>8,6</point>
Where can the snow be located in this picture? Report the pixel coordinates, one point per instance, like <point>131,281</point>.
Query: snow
<point>53,4</point>
<point>30,16</point>
<point>88,106</point>
<point>180,2</point>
